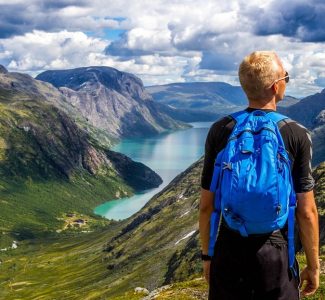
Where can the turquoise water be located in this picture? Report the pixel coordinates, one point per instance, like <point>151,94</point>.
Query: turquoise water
<point>167,154</point>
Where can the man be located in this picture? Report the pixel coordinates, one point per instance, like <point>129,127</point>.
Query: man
<point>256,267</point>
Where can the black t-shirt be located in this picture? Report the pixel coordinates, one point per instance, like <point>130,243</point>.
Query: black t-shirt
<point>298,143</point>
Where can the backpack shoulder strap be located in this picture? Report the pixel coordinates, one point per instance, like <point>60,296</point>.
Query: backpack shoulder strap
<point>239,116</point>
<point>281,120</point>
<point>276,117</point>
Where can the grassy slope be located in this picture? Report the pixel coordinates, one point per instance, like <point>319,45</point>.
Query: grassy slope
<point>64,268</point>
<point>76,267</point>
<point>33,191</point>
<point>45,201</point>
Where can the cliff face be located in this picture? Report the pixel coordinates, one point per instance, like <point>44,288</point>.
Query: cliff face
<point>112,100</point>
<point>36,129</point>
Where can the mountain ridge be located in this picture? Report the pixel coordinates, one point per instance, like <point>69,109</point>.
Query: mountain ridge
<point>112,100</point>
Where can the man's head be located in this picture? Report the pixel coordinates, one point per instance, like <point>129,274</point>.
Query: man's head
<point>259,75</point>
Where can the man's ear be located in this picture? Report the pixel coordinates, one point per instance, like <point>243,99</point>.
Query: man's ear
<point>275,88</point>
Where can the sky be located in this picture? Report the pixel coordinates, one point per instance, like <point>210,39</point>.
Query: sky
<point>165,41</point>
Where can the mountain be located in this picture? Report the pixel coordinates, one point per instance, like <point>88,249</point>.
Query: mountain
<point>50,165</point>
<point>112,100</point>
<point>288,101</point>
<point>214,97</point>
<point>310,112</point>
<point>307,109</point>
<point>188,115</point>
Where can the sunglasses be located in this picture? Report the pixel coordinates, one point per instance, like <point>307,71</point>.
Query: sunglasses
<point>286,78</point>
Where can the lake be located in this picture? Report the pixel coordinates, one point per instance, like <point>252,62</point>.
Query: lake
<point>168,154</point>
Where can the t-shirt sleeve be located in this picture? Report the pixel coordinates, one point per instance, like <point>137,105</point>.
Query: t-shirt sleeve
<point>302,169</point>
<point>215,142</point>
<point>209,158</point>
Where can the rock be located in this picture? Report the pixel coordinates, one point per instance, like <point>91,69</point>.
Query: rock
<point>140,290</point>
<point>3,70</point>
<point>156,292</point>
<point>14,245</point>
<point>320,120</point>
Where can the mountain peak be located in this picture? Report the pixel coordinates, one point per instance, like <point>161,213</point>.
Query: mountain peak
<point>323,91</point>
<point>3,70</point>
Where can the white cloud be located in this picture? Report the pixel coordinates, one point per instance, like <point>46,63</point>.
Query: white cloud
<point>166,40</point>
<point>39,50</point>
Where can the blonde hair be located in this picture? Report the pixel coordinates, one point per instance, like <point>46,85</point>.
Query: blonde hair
<point>257,72</point>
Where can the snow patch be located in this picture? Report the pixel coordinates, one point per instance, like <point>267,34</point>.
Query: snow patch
<point>186,236</point>
<point>184,214</point>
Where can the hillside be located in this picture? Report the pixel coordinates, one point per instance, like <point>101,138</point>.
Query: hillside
<point>307,109</point>
<point>112,100</point>
<point>50,165</point>
<point>319,175</point>
<point>157,246</point>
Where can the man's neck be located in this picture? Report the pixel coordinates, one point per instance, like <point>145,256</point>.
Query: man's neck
<point>262,104</point>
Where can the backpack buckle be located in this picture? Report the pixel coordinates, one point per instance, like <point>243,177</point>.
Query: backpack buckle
<point>227,166</point>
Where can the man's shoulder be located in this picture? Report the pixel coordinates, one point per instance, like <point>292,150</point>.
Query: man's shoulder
<point>293,128</point>
<point>222,122</point>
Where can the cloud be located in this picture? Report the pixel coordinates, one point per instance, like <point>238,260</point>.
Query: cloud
<point>165,40</point>
<point>51,16</point>
<point>38,51</point>
<point>41,50</point>
<point>303,20</point>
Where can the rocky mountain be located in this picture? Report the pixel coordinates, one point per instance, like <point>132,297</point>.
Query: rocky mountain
<point>307,110</point>
<point>49,164</point>
<point>310,112</point>
<point>112,100</point>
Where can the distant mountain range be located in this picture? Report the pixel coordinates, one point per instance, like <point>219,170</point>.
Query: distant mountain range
<point>217,97</point>
<point>112,100</point>
<point>205,97</point>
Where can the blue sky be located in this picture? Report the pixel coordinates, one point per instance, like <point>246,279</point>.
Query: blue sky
<point>166,41</point>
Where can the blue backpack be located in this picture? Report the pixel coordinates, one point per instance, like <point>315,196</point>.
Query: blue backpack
<point>252,180</point>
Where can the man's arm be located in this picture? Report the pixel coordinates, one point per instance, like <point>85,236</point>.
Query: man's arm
<point>206,208</point>
<point>307,218</point>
